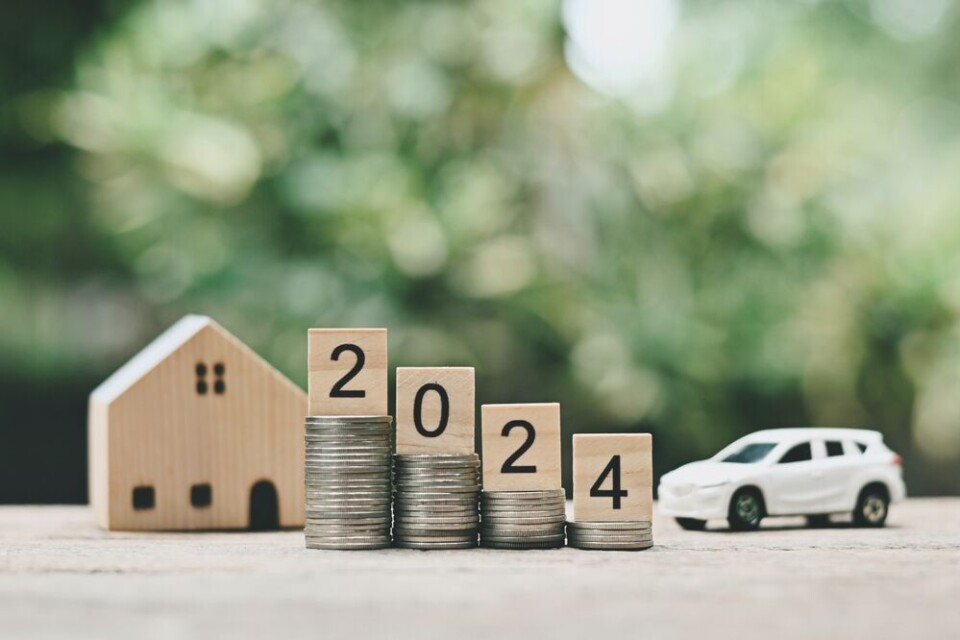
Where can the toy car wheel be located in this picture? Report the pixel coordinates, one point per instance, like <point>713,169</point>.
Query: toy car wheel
<point>692,524</point>
<point>872,507</point>
<point>746,510</point>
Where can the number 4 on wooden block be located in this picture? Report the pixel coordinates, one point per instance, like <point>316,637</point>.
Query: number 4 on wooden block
<point>435,410</point>
<point>521,447</point>
<point>613,477</point>
<point>347,372</point>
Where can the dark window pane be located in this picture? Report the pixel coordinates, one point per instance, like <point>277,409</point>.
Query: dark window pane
<point>201,495</point>
<point>799,453</point>
<point>753,452</point>
<point>143,498</point>
<point>834,448</point>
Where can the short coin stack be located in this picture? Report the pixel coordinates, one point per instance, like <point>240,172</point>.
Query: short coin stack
<point>348,478</point>
<point>435,503</point>
<point>522,519</point>
<point>610,536</point>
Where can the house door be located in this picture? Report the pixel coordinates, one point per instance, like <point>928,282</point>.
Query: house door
<point>264,507</point>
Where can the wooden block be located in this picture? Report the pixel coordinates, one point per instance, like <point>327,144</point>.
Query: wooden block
<point>435,410</point>
<point>197,432</point>
<point>347,372</point>
<point>521,447</point>
<point>613,477</point>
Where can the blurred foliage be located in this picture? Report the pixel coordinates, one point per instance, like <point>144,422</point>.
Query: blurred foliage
<point>696,218</point>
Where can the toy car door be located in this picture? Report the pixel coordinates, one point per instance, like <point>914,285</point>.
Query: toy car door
<point>793,485</point>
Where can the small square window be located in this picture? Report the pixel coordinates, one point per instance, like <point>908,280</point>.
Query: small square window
<point>201,495</point>
<point>143,498</point>
<point>834,448</point>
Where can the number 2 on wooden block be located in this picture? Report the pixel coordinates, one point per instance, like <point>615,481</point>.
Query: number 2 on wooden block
<point>347,372</point>
<point>521,447</point>
<point>435,410</point>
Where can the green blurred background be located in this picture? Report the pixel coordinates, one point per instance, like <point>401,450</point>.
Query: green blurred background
<point>695,218</point>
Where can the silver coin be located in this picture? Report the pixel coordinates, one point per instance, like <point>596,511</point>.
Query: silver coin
<point>462,537</point>
<point>437,457</point>
<point>435,546</point>
<point>327,463</point>
<point>373,517</point>
<point>413,487</point>
<point>359,488</point>
<point>352,491</point>
<point>427,521</point>
<point>359,546</point>
<point>635,540</point>
<point>406,490</point>
<point>523,495</point>
<point>610,546</point>
<point>418,468</point>
<point>522,520</point>
<point>358,440</point>
<point>405,525</point>
<point>355,505</point>
<point>515,504</point>
<point>326,472</point>
<point>613,526</point>
<point>494,534</point>
<point>335,530</point>
<point>435,473</point>
<point>491,544</point>
<point>370,418</point>
<point>436,507</point>
<point>553,538</point>
<point>427,515</point>
<point>527,515</point>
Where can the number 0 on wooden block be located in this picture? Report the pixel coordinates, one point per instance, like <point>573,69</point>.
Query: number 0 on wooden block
<point>435,410</point>
<point>521,447</point>
<point>613,477</point>
<point>347,372</point>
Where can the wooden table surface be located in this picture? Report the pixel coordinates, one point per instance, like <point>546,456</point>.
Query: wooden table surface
<point>60,576</point>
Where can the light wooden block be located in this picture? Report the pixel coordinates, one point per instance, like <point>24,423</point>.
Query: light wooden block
<point>196,432</point>
<point>435,410</point>
<point>341,381</point>
<point>504,433</point>
<point>592,456</point>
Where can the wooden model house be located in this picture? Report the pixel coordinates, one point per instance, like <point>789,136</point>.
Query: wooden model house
<point>197,432</point>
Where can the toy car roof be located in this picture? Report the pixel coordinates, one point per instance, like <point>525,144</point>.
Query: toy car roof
<point>796,434</point>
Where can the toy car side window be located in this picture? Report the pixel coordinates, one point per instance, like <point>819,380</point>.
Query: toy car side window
<point>797,453</point>
<point>834,448</point>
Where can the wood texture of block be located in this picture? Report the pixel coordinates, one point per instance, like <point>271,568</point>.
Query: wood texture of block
<point>538,466</point>
<point>436,410</point>
<point>592,455</point>
<point>196,407</point>
<point>341,381</point>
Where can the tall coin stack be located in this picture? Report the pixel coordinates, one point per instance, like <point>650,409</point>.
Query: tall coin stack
<point>435,503</point>
<point>348,478</point>
<point>610,536</point>
<point>522,519</point>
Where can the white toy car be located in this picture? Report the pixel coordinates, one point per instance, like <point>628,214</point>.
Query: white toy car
<point>811,472</point>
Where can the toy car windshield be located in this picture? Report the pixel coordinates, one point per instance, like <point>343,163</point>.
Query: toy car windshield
<point>754,452</point>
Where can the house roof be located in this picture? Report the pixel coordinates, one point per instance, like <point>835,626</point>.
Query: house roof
<point>159,350</point>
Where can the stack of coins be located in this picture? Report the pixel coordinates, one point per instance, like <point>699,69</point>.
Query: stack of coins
<point>522,519</point>
<point>436,501</point>
<point>348,478</point>
<point>610,536</point>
